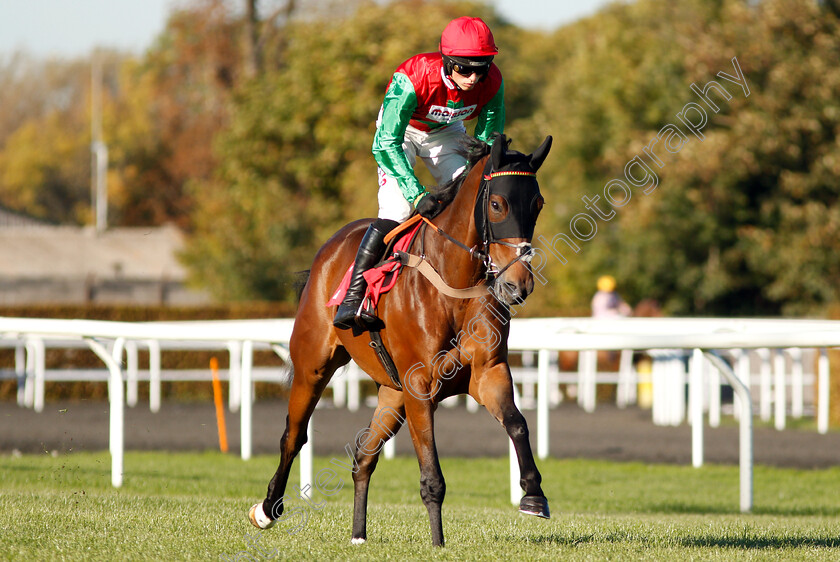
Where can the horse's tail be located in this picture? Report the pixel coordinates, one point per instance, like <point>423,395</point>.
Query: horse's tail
<point>301,279</point>
<point>288,374</point>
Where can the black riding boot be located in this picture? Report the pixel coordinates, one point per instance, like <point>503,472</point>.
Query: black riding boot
<point>370,252</point>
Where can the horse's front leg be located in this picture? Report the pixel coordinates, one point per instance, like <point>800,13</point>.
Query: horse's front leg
<point>495,391</point>
<point>387,420</point>
<point>419,409</point>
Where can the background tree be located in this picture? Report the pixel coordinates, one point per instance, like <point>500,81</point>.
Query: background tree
<point>742,222</point>
<point>295,164</point>
<point>251,128</point>
<point>180,96</point>
<point>610,80</point>
<point>45,135</point>
<point>177,97</point>
<point>746,221</point>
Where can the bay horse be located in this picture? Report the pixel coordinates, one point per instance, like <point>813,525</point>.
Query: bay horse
<point>441,345</point>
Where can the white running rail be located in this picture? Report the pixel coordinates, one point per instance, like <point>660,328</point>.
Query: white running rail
<point>700,336</point>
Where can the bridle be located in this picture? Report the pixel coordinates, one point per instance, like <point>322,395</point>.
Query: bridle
<point>493,233</point>
<point>488,233</point>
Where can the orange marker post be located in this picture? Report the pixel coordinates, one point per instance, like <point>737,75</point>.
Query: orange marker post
<point>220,408</point>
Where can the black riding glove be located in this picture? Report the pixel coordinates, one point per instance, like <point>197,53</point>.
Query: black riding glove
<point>429,206</point>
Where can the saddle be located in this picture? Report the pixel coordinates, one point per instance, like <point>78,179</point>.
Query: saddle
<point>382,277</point>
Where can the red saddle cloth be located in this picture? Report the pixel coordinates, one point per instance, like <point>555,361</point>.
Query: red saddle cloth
<point>379,279</point>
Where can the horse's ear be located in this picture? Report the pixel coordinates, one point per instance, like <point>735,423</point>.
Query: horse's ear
<point>498,150</point>
<point>539,154</point>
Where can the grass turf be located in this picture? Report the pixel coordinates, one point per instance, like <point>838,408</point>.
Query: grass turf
<point>189,506</point>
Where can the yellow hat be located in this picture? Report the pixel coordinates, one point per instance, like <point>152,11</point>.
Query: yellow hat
<point>606,283</point>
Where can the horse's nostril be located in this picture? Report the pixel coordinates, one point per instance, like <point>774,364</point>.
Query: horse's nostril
<point>511,293</point>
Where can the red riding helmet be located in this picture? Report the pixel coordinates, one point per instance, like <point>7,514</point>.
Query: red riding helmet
<point>467,37</point>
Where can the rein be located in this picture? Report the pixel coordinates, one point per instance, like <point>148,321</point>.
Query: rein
<point>427,270</point>
<point>492,271</point>
<point>474,251</point>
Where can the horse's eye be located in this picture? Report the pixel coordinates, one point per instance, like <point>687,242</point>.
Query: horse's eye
<point>495,205</point>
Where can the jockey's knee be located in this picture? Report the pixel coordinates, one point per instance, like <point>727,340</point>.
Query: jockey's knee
<point>392,203</point>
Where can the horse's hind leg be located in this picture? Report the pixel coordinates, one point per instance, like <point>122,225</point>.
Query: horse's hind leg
<point>387,420</point>
<point>314,365</point>
<point>495,391</point>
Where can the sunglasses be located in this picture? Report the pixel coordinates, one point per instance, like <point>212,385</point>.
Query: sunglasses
<point>467,71</point>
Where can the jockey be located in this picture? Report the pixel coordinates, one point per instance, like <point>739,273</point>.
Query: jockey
<point>426,103</point>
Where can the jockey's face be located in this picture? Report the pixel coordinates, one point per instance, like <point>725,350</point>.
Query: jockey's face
<point>465,83</point>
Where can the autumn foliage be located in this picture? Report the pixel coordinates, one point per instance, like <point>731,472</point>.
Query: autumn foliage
<point>251,129</point>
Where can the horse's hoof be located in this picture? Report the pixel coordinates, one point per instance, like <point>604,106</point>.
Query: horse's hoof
<point>535,505</point>
<point>358,541</point>
<point>258,518</point>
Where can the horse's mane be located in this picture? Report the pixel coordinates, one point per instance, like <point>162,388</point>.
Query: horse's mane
<point>474,150</point>
<point>299,283</point>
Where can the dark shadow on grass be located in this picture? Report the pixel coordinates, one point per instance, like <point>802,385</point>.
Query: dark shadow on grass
<point>799,511</point>
<point>747,542</point>
<point>691,508</point>
<point>704,509</point>
<point>744,542</point>
<point>557,539</point>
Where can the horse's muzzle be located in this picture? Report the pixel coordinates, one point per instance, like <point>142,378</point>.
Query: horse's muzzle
<point>512,293</point>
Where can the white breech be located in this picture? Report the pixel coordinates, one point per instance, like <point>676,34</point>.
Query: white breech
<point>439,150</point>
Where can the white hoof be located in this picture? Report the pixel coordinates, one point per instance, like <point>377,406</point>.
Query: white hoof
<point>258,517</point>
<point>358,541</point>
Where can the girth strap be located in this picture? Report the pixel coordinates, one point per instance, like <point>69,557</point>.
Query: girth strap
<point>435,279</point>
<point>384,357</point>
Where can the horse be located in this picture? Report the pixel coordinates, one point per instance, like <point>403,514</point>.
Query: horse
<point>440,345</point>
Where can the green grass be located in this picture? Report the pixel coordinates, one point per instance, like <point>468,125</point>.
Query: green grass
<point>193,506</point>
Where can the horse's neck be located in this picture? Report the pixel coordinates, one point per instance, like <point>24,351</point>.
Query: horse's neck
<point>455,264</point>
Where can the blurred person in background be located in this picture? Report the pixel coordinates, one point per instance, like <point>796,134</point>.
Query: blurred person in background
<point>607,303</point>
